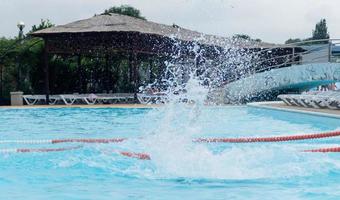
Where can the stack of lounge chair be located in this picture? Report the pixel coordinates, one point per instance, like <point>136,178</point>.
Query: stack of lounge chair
<point>152,98</point>
<point>325,99</point>
<point>89,99</point>
<point>40,99</point>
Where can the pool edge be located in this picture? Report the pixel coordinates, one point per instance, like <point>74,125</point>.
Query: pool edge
<point>267,105</point>
<point>82,106</point>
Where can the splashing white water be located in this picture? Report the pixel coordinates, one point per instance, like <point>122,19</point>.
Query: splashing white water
<point>169,130</point>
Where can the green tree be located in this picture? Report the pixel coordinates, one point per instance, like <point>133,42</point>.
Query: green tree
<point>319,33</point>
<point>43,24</point>
<point>124,10</point>
<point>245,37</point>
<point>295,40</point>
<point>242,36</point>
<point>321,30</point>
<point>20,61</point>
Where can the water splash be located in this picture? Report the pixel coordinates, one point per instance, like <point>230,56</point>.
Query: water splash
<point>168,131</point>
<point>169,139</point>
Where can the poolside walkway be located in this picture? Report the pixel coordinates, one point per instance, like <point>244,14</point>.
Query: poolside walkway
<point>84,106</point>
<point>279,105</point>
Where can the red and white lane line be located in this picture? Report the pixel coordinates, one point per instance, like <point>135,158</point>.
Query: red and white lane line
<point>324,150</point>
<point>112,140</point>
<point>58,141</point>
<point>270,139</point>
<point>206,140</point>
<point>40,150</point>
<point>141,156</point>
<point>144,156</point>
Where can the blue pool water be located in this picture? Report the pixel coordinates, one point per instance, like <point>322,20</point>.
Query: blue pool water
<point>179,168</point>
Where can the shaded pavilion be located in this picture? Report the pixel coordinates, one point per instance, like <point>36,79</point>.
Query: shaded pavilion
<point>108,34</point>
<point>113,33</point>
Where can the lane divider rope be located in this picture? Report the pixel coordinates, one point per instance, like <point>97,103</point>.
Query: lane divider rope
<point>57,141</point>
<point>206,140</point>
<point>113,140</point>
<point>141,156</point>
<point>324,150</point>
<point>40,150</point>
<point>270,139</point>
<point>144,156</point>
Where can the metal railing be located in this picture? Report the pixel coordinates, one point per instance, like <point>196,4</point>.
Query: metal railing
<point>305,52</point>
<point>310,46</point>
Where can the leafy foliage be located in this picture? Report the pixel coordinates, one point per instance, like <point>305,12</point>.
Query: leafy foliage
<point>319,33</point>
<point>321,30</point>
<point>245,37</point>
<point>43,24</point>
<point>295,40</point>
<point>242,36</point>
<point>124,10</point>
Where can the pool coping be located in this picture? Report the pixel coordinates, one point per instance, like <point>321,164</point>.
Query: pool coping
<point>82,106</point>
<point>104,106</point>
<point>262,105</point>
<point>269,105</point>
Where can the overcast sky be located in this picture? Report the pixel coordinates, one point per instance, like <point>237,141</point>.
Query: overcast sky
<point>269,20</point>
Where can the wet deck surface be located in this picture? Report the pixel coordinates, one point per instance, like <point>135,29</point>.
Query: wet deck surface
<point>282,105</point>
<point>85,106</point>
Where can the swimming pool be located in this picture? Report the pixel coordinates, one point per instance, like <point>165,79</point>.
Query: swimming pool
<point>179,168</point>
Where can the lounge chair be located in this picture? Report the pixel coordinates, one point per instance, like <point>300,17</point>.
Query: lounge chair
<point>287,99</point>
<point>327,99</point>
<point>115,97</point>
<point>70,99</point>
<point>154,98</point>
<point>34,99</point>
<point>316,99</point>
<point>91,99</point>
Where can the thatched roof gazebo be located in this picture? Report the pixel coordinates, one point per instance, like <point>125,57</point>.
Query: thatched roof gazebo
<point>108,34</point>
<point>125,33</point>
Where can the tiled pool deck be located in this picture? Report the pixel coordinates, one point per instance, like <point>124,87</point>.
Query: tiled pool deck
<point>279,105</point>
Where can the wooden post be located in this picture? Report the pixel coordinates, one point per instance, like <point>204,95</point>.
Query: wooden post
<point>161,67</point>
<point>134,65</point>
<point>107,81</point>
<point>151,75</point>
<point>47,77</point>
<point>1,71</point>
<point>80,79</point>
<point>130,68</point>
